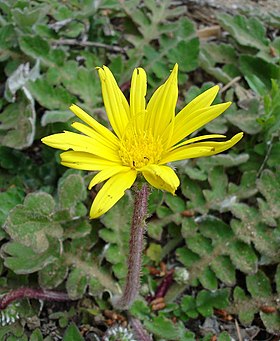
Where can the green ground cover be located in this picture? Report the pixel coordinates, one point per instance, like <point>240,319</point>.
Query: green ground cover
<point>220,234</point>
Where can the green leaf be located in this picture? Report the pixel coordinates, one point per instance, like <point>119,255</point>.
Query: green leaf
<point>77,229</point>
<point>40,203</point>
<point>162,327</point>
<point>247,187</point>
<point>49,96</point>
<point>258,285</point>
<point>8,200</point>
<point>246,120</point>
<point>16,329</point>
<point>192,191</point>
<point>243,257</point>
<point>268,185</point>
<point>270,120</point>
<point>117,222</point>
<point>95,287</point>
<point>226,160</point>
<point>207,300</point>
<point>188,305</point>
<point>53,274</point>
<point>186,41</point>
<point>19,78</point>
<point>271,322</point>
<point>76,284</point>
<point>7,39</point>
<point>249,229</point>
<point>176,204</point>
<point>217,126</point>
<point>217,198</point>
<point>221,53</point>
<point>189,228</point>
<point>36,335</point>
<point>247,32</point>
<point>34,46</point>
<point>246,311</point>
<point>193,172</point>
<point>116,256</point>
<point>174,39</point>
<point>200,245</point>
<point>71,191</point>
<point>258,73</point>
<point>23,260</point>
<point>80,81</point>
<point>54,116</point>
<point>140,309</point>
<point>17,126</point>
<point>208,63</point>
<point>224,336</point>
<point>26,18</point>
<point>72,333</point>
<point>215,229</point>
<point>154,252</point>
<point>224,270</point>
<point>208,279</point>
<point>186,256</point>
<point>248,216</point>
<point>155,200</point>
<point>31,223</point>
<point>155,229</point>
<point>188,336</point>
<point>72,29</point>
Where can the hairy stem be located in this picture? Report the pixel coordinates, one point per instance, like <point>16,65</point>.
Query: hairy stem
<point>39,294</point>
<point>135,249</point>
<point>138,330</point>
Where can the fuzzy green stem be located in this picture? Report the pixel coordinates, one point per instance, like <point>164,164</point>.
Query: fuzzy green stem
<point>138,225</point>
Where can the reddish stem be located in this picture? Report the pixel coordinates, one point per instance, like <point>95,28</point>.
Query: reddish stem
<point>39,294</point>
<point>163,287</point>
<point>135,249</point>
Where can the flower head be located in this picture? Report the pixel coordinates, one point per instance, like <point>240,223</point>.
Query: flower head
<point>145,138</point>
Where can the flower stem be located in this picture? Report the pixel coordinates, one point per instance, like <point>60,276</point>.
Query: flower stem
<point>138,330</point>
<point>135,249</point>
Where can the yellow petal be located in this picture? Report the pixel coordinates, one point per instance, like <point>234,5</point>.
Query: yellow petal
<point>85,161</point>
<point>219,147</point>
<point>93,123</point>
<point>80,143</point>
<point>106,174</point>
<point>188,123</point>
<point>115,102</point>
<point>187,152</point>
<point>198,138</point>
<point>138,91</point>
<point>204,100</point>
<point>161,107</point>
<point>200,149</point>
<point>94,135</point>
<point>111,192</point>
<point>161,177</point>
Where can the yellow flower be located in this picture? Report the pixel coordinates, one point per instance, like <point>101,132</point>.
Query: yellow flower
<point>145,137</point>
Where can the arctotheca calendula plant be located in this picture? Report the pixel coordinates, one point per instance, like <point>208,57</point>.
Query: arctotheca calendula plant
<point>145,139</point>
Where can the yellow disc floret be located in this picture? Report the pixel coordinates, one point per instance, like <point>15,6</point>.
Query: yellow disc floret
<point>140,149</point>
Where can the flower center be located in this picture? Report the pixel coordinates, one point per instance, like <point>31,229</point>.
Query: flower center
<point>139,150</point>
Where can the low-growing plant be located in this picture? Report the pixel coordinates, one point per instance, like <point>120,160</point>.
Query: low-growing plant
<point>210,264</point>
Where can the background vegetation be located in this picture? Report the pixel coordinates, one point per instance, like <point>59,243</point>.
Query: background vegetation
<point>220,234</point>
